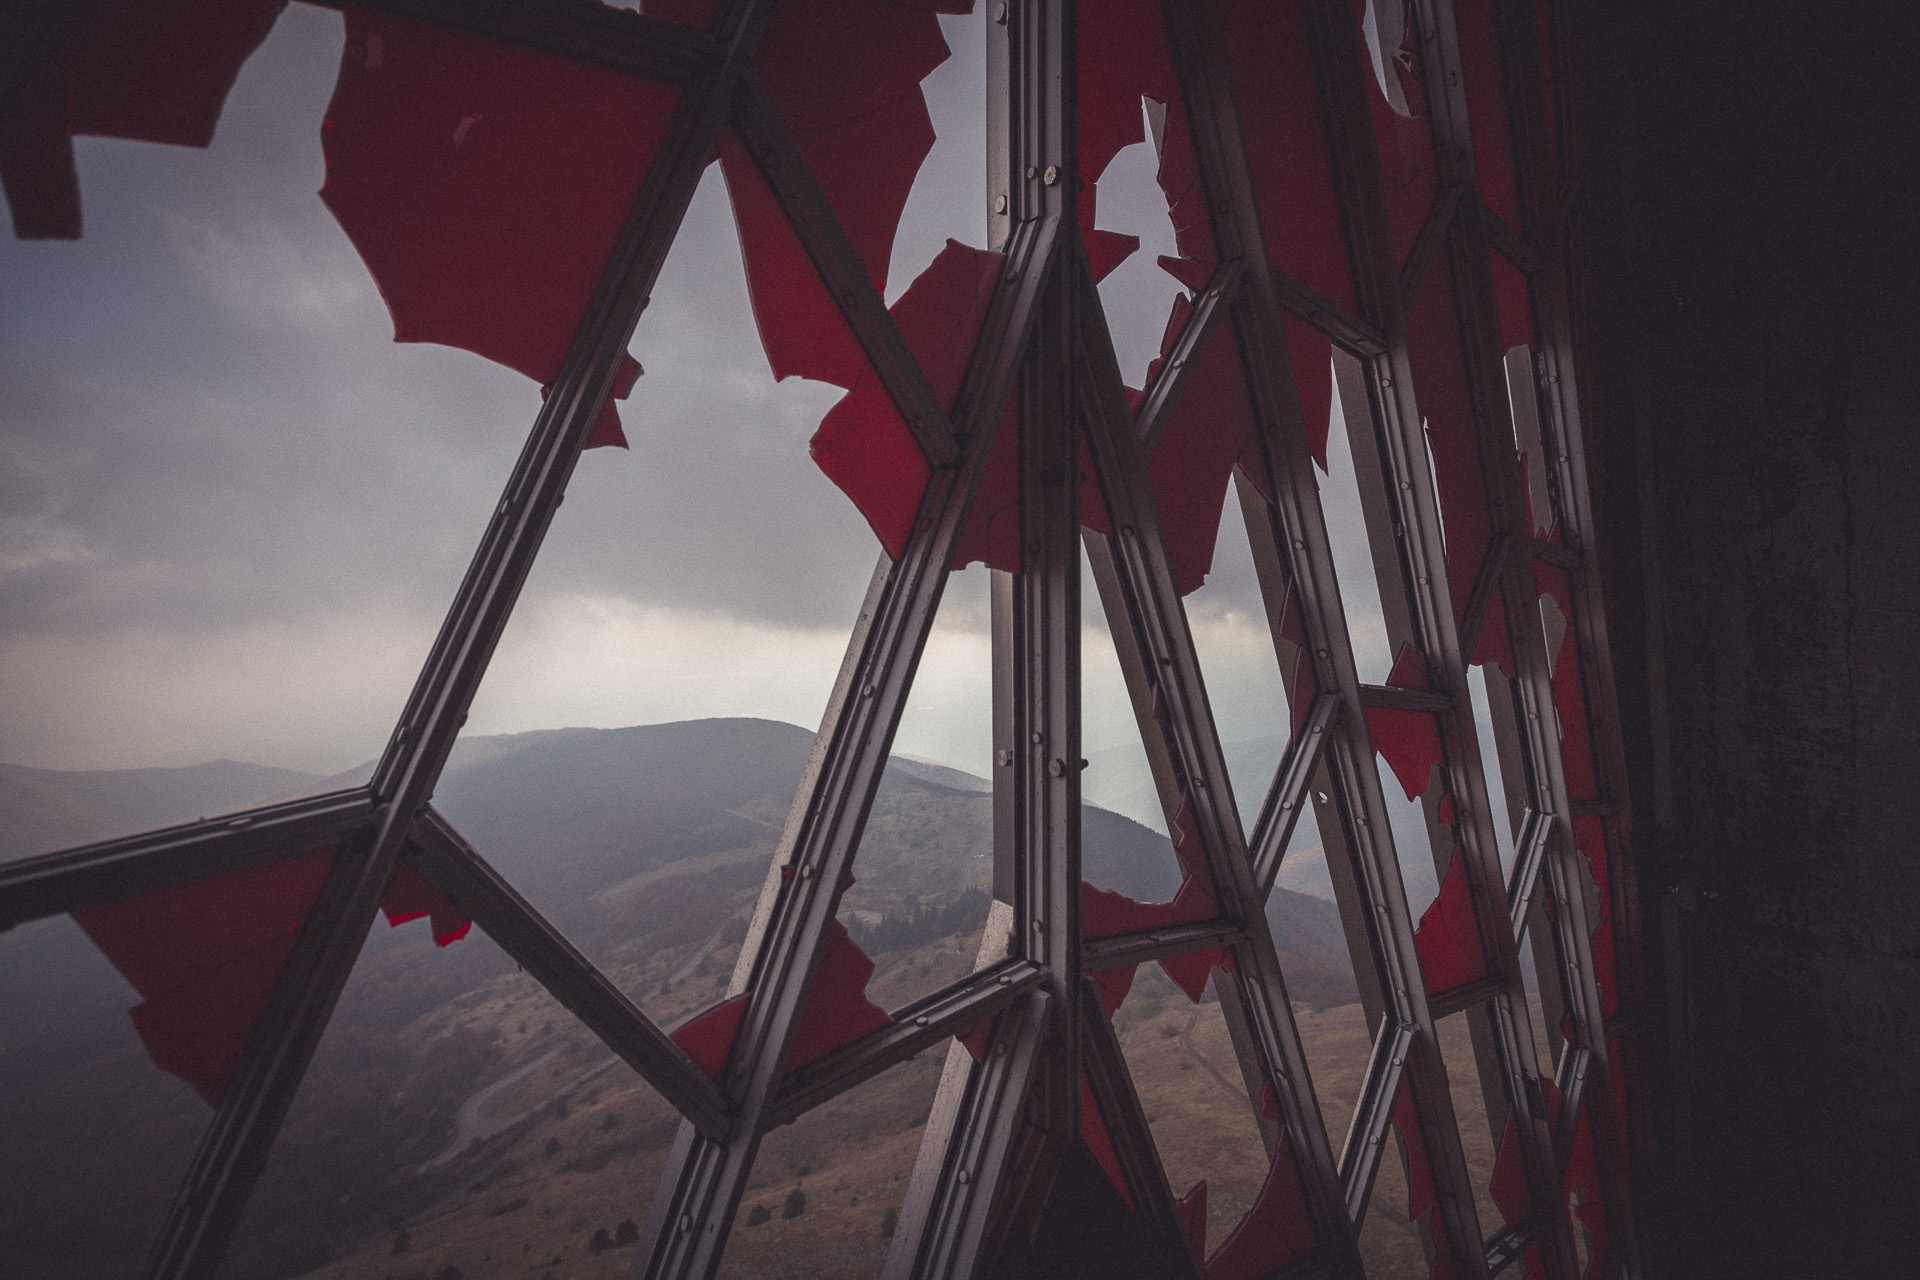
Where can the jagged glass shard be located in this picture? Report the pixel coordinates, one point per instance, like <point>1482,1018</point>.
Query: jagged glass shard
<point>1400,127</point>
<point>454,162</point>
<point>1440,375</point>
<point>1277,93</point>
<point>150,72</point>
<point>1448,939</point>
<point>863,443</point>
<point>1487,107</point>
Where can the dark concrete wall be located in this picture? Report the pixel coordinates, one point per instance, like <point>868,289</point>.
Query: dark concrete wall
<point>1759,345</point>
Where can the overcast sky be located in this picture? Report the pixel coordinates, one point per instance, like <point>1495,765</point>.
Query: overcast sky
<point>232,510</point>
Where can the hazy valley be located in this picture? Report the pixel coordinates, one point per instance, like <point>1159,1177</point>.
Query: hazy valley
<point>456,1121</point>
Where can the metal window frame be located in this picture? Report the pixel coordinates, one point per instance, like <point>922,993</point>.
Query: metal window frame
<point>1002,1126</point>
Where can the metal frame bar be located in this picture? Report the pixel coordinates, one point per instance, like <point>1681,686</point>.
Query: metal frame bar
<point>438,852</point>
<point>88,876</point>
<point>977,1194</point>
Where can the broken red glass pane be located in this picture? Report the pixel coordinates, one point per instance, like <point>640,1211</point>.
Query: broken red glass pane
<point>453,163</point>
<point>1447,938</point>
<point>1421,1200</point>
<point>1205,435</point>
<point>1487,107</point>
<point>1400,127</point>
<point>1274,1232</point>
<point>1409,741</point>
<point>1508,1186</point>
<point>863,444</point>
<point>1440,376</point>
<point>1277,92</point>
<point>837,1013</point>
<point>205,957</point>
<point>411,895</point>
<point>146,70</point>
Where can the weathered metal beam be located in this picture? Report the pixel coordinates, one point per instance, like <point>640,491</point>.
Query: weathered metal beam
<point>925,1022</point>
<point>1209,309</point>
<point>457,870</point>
<point>1280,813</point>
<point>1359,336</point>
<point>1381,695</point>
<point>1158,944</point>
<point>1530,851</point>
<point>983,1179</point>
<point>1373,1114</point>
<point>113,870</point>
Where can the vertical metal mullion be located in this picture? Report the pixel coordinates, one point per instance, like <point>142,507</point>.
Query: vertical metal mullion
<point>1151,610</point>
<point>238,1142</point>
<point>1469,252</point>
<point>989,1155</point>
<point>1296,525</point>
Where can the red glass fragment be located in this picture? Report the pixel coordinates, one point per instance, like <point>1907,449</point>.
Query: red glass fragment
<point>1487,107</point>
<point>451,159</point>
<point>1447,938</point>
<point>1275,1231</point>
<point>411,895</point>
<point>1106,914</point>
<point>1440,376</point>
<point>1205,435</point>
<point>801,328</point>
<point>837,1013</point>
<point>205,957</point>
<point>709,1035</point>
<point>1404,140</point>
<point>36,156</point>
<point>1409,669</point>
<point>825,62</point>
<point>1311,354</point>
<point>1409,741</point>
<point>146,70</point>
<point>1421,1200</point>
<point>1513,300</point>
<point>1509,1184</point>
<point>1493,646</point>
<point>1107,250</point>
<point>865,167</point>
<point>1277,92</point>
<point>1093,1131</point>
<point>1192,1208</point>
<point>863,444</point>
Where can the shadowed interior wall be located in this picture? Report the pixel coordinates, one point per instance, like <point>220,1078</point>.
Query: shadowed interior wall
<point>1758,340</point>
